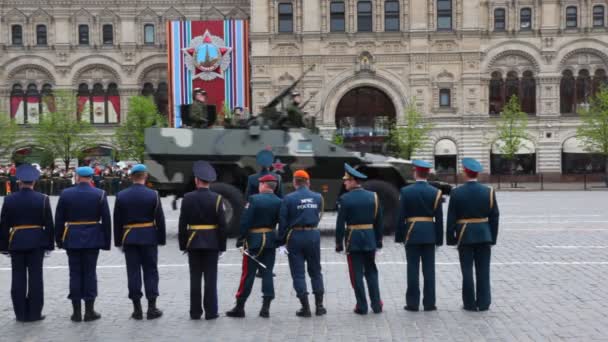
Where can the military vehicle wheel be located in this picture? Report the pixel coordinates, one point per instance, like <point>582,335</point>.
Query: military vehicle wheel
<point>388,195</point>
<point>233,205</point>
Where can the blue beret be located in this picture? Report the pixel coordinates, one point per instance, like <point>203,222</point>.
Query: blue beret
<point>204,171</point>
<point>422,164</point>
<point>472,165</point>
<point>352,173</point>
<point>139,168</point>
<point>27,173</point>
<point>84,171</point>
<point>265,158</point>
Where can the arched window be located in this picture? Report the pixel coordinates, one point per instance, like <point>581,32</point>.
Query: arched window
<point>160,95</point>
<point>599,80</point>
<point>18,104</point>
<point>336,16</point>
<point>391,15</point>
<point>598,16</point>
<point>571,17</point>
<point>511,86</point>
<point>364,16</point>
<point>99,105</point>
<point>83,34</point>
<point>148,89</point>
<point>528,93</point>
<point>566,92</point>
<point>444,14</point>
<point>525,19</point>
<point>108,34</point>
<point>27,106</point>
<point>583,87</point>
<point>285,17</point>
<point>17,35</point>
<point>496,93</point>
<point>149,34</point>
<point>499,19</point>
<point>48,101</point>
<point>41,35</point>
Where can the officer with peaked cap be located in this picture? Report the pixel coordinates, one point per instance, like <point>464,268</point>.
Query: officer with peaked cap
<point>420,229</point>
<point>26,231</point>
<point>202,233</point>
<point>257,237</point>
<point>299,218</point>
<point>473,227</point>
<point>264,158</point>
<point>359,226</point>
<point>139,227</point>
<point>83,227</point>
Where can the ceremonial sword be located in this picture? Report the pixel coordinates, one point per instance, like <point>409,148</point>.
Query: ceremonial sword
<point>244,251</point>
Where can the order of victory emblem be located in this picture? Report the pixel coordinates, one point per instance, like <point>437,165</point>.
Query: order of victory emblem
<point>207,57</point>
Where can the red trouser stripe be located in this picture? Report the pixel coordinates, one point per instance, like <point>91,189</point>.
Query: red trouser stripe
<point>351,272</point>
<point>243,277</point>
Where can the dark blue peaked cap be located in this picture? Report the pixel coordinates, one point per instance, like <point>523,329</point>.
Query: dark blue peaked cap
<point>27,173</point>
<point>204,171</point>
<point>352,173</point>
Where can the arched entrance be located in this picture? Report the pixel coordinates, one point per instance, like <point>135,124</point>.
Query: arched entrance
<point>32,155</point>
<point>575,159</point>
<point>363,118</point>
<point>100,155</point>
<point>525,159</point>
<point>446,156</point>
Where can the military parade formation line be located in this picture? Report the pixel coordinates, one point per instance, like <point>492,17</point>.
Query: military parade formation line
<point>82,227</point>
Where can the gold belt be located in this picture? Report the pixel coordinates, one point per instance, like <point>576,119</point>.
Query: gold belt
<point>304,228</point>
<point>197,227</point>
<point>128,228</point>
<point>20,227</point>
<point>465,223</point>
<point>75,223</point>
<point>360,226</point>
<point>261,230</point>
<point>412,220</point>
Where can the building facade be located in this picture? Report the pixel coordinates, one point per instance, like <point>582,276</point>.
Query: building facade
<point>106,51</point>
<point>456,61</point>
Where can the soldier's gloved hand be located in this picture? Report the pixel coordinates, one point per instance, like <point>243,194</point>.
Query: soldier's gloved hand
<point>283,250</point>
<point>339,248</point>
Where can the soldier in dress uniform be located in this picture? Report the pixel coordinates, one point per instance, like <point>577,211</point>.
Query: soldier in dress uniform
<point>300,214</point>
<point>473,227</point>
<point>202,114</point>
<point>82,227</point>
<point>26,231</point>
<point>139,227</point>
<point>264,158</point>
<point>202,233</point>
<point>420,228</point>
<point>359,226</point>
<point>258,237</point>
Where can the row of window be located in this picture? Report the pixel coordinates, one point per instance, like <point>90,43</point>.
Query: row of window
<point>525,18</point>
<point>337,16</point>
<point>107,35</point>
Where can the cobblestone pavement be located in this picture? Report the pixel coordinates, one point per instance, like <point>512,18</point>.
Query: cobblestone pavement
<point>549,277</point>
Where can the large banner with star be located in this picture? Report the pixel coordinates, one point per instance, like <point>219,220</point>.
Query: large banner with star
<point>212,55</point>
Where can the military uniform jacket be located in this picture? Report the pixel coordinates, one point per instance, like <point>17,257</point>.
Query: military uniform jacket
<point>419,202</point>
<point>262,211</point>
<point>359,221</point>
<point>472,200</point>
<point>26,222</point>
<point>253,183</point>
<point>83,218</point>
<point>202,207</point>
<point>301,208</point>
<point>198,114</point>
<point>138,217</point>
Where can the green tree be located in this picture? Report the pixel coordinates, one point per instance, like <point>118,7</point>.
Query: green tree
<point>511,129</point>
<point>593,131</point>
<point>129,136</point>
<point>337,139</point>
<point>60,133</point>
<point>8,138</point>
<point>404,141</point>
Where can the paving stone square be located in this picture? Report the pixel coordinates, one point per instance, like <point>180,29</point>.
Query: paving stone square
<point>549,276</point>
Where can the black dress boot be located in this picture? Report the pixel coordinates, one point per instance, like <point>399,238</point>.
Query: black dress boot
<point>89,311</point>
<point>305,310</point>
<point>153,311</point>
<point>320,309</point>
<point>77,308</point>
<point>265,311</point>
<point>137,311</point>
<point>239,309</point>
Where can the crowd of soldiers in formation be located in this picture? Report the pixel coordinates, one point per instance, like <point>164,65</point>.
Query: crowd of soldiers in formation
<point>83,226</point>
